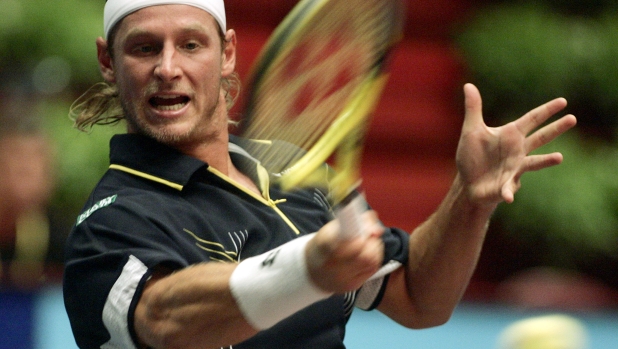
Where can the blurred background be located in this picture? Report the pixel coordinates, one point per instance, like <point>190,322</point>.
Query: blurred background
<point>555,250</point>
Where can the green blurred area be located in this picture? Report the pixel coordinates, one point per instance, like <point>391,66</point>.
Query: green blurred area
<point>33,31</point>
<point>524,53</point>
<point>521,54</point>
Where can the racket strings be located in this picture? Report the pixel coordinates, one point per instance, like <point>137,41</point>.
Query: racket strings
<point>311,81</point>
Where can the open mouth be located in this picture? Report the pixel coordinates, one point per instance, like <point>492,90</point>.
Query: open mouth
<point>168,103</point>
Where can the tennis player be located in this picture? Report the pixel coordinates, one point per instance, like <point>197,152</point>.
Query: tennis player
<point>185,244</point>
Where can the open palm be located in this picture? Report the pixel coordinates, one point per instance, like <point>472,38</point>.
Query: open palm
<point>491,161</point>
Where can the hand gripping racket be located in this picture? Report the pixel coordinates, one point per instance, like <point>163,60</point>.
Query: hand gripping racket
<point>315,85</point>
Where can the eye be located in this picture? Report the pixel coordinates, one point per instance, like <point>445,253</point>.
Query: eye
<point>192,46</point>
<point>144,49</point>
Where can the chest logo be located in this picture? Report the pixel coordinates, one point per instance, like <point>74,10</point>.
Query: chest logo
<point>218,251</point>
<point>99,205</point>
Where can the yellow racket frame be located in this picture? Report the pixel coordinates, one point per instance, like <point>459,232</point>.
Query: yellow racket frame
<point>345,135</point>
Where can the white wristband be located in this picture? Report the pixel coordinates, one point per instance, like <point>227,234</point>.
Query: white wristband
<point>272,286</point>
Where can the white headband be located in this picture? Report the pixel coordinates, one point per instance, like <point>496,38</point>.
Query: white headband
<point>115,10</point>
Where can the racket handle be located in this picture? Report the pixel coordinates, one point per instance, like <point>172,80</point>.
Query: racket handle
<point>349,214</point>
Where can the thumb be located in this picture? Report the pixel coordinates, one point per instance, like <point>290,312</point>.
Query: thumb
<point>474,106</point>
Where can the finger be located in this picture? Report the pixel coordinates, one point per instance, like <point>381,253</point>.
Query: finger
<point>550,132</point>
<point>536,117</point>
<point>474,107</point>
<point>531,163</point>
<point>511,187</point>
<point>369,259</point>
<point>539,162</point>
<point>508,193</point>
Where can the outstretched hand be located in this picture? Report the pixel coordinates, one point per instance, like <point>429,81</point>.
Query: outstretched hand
<point>491,161</point>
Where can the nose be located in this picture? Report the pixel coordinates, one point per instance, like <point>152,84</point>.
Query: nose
<point>167,68</point>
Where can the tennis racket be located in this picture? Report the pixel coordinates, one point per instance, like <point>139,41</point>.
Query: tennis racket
<point>314,86</point>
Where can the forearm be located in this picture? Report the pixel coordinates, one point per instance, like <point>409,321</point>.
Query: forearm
<point>444,252</point>
<point>192,308</point>
<point>218,305</point>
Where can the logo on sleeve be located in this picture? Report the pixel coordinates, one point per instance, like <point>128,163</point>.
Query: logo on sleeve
<point>99,205</point>
<point>270,258</point>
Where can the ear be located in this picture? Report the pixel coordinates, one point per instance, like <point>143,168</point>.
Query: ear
<point>228,63</point>
<point>105,61</point>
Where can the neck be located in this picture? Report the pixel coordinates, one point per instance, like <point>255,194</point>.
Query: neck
<point>208,141</point>
<point>216,153</point>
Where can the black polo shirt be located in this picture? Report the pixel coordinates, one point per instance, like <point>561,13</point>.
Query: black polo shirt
<point>157,207</point>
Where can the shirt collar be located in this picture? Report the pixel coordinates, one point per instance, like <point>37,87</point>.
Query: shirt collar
<point>145,155</point>
<point>148,158</point>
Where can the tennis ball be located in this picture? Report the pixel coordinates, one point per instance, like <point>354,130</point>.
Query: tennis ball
<point>545,332</point>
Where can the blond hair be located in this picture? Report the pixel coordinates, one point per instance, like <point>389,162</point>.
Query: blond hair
<point>100,105</point>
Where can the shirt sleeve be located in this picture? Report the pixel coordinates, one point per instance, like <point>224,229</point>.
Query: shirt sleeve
<point>109,256</point>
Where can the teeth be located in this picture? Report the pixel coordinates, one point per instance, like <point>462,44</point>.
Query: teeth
<point>171,107</point>
<point>169,102</point>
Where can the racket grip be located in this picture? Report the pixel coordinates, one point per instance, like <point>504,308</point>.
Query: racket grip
<point>350,217</point>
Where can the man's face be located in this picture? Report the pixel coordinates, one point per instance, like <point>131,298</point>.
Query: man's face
<point>167,64</point>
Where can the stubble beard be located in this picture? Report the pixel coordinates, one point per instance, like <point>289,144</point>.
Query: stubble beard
<point>160,132</point>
